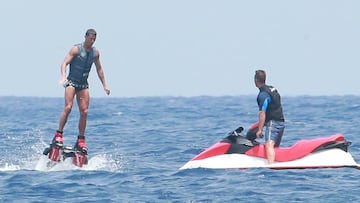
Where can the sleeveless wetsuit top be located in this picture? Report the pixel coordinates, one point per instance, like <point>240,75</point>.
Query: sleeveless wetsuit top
<point>80,65</point>
<point>274,110</point>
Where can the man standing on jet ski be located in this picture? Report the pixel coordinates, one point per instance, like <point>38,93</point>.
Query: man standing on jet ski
<point>270,115</point>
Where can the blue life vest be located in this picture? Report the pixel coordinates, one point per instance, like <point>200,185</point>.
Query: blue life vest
<point>80,65</point>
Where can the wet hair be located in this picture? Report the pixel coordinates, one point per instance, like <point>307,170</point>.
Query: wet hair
<point>260,76</point>
<point>90,32</point>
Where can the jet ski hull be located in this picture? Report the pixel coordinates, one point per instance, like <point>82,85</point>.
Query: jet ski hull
<point>332,158</point>
<point>238,152</point>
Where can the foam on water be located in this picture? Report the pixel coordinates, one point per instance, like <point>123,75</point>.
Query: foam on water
<point>35,160</point>
<point>100,162</point>
<point>9,167</point>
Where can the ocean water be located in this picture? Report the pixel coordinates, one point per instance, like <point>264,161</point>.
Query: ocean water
<point>136,146</point>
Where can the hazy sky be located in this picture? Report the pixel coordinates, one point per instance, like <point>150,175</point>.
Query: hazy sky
<point>185,48</point>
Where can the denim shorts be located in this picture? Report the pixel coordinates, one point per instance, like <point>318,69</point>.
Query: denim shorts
<point>274,131</point>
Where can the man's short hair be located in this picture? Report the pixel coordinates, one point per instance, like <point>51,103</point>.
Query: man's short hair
<point>260,76</point>
<point>90,32</point>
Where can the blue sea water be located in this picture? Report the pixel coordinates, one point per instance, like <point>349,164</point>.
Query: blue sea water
<point>136,146</point>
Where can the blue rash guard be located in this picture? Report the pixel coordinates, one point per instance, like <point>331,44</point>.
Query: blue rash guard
<point>80,67</point>
<point>264,99</point>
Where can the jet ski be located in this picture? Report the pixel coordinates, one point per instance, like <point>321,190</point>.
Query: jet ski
<point>239,151</point>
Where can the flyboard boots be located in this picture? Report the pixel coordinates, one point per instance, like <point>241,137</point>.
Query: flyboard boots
<point>57,152</point>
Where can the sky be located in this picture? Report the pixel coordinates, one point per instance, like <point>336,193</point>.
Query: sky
<point>184,48</point>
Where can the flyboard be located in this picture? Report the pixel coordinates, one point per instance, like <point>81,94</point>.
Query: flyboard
<point>58,154</point>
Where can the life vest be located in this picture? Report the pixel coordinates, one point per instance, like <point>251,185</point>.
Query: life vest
<point>80,65</point>
<point>274,110</point>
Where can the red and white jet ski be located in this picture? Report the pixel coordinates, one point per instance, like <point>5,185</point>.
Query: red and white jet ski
<point>237,151</point>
